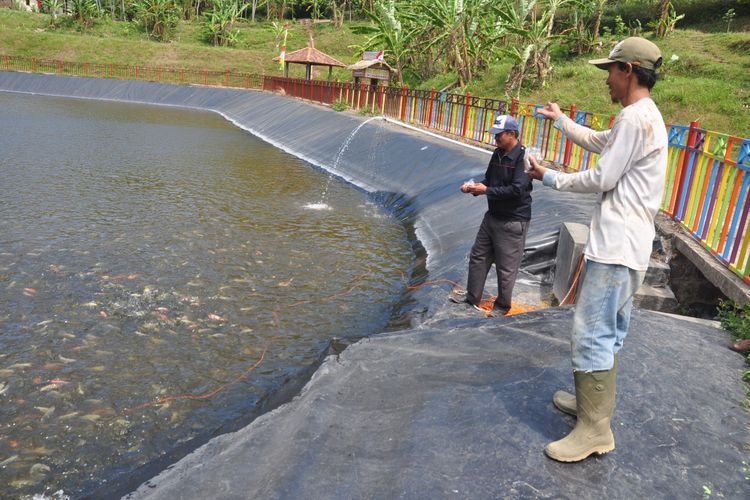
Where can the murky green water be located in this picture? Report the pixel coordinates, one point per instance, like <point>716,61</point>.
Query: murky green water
<point>160,275</point>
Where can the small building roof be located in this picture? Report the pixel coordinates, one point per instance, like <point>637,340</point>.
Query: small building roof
<point>310,55</point>
<point>364,64</point>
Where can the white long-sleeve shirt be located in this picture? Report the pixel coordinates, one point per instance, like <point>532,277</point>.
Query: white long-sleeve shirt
<point>629,177</point>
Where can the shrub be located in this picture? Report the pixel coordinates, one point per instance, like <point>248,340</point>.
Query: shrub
<point>83,11</point>
<point>158,18</point>
<point>735,318</point>
<point>218,23</point>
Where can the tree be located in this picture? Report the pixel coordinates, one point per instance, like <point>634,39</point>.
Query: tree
<point>254,5</point>
<point>533,36</point>
<point>158,18</point>
<point>218,23</point>
<point>386,33</point>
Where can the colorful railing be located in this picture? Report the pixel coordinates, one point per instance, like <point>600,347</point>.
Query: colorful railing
<point>708,180</point>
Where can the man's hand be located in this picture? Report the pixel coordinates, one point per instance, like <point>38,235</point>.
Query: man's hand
<point>477,189</point>
<point>551,111</point>
<point>537,171</point>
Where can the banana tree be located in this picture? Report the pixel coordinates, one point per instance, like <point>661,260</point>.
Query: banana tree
<point>387,33</point>
<point>218,23</point>
<point>532,30</point>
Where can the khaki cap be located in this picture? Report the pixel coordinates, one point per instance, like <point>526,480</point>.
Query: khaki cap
<point>634,50</point>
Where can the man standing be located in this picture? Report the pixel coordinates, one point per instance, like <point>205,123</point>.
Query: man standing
<point>502,234</point>
<point>629,178</point>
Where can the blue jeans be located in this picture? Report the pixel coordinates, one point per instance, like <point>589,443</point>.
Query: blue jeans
<point>602,314</point>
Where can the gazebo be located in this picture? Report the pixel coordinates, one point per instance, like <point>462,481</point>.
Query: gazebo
<point>310,56</point>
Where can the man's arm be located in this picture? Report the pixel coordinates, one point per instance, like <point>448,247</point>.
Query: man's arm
<point>613,163</point>
<point>517,187</point>
<point>578,134</point>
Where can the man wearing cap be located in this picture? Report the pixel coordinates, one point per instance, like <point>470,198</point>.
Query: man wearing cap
<point>629,178</point>
<point>502,234</point>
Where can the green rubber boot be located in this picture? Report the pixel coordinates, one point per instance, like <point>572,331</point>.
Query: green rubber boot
<point>595,403</point>
<point>566,402</point>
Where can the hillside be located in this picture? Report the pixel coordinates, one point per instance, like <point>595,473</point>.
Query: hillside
<point>708,82</point>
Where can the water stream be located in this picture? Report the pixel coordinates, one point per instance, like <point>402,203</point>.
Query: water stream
<point>321,204</point>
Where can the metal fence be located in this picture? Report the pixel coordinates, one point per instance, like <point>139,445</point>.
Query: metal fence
<point>708,179</point>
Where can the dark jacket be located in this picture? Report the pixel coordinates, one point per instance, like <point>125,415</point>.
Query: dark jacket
<point>508,185</point>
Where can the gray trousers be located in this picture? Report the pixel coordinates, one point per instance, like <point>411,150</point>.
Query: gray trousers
<point>500,242</point>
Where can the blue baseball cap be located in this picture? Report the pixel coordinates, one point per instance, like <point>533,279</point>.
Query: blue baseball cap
<point>503,123</point>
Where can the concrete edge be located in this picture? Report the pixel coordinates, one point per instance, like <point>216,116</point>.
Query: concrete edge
<point>725,280</point>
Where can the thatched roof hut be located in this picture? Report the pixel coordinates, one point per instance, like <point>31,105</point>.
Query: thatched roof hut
<point>310,56</point>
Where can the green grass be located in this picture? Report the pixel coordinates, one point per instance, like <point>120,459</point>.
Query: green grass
<point>735,318</point>
<point>709,83</point>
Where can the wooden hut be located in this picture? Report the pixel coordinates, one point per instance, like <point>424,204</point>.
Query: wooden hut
<point>371,69</point>
<point>310,56</point>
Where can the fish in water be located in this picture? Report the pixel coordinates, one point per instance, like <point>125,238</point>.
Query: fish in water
<point>215,317</point>
<point>30,292</point>
<point>20,365</point>
<point>38,471</point>
<point>46,411</point>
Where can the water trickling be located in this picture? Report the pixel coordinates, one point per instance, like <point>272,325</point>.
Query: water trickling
<point>321,204</point>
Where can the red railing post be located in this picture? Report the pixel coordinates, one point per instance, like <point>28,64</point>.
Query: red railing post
<point>33,65</point>
<point>466,114</point>
<point>402,115</point>
<point>6,62</point>
<point>59,67</point>
<point>568,144</point>
<point>513,106</point>
<point>432,105</point>
<point>136,71</point>
<point>205,77</point>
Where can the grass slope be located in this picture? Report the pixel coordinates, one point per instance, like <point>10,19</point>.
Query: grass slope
<point>709,83</point>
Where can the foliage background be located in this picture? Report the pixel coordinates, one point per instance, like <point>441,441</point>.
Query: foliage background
<point>708,82</point>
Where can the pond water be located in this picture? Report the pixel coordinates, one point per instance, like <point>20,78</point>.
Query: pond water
<point>161,273</point>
